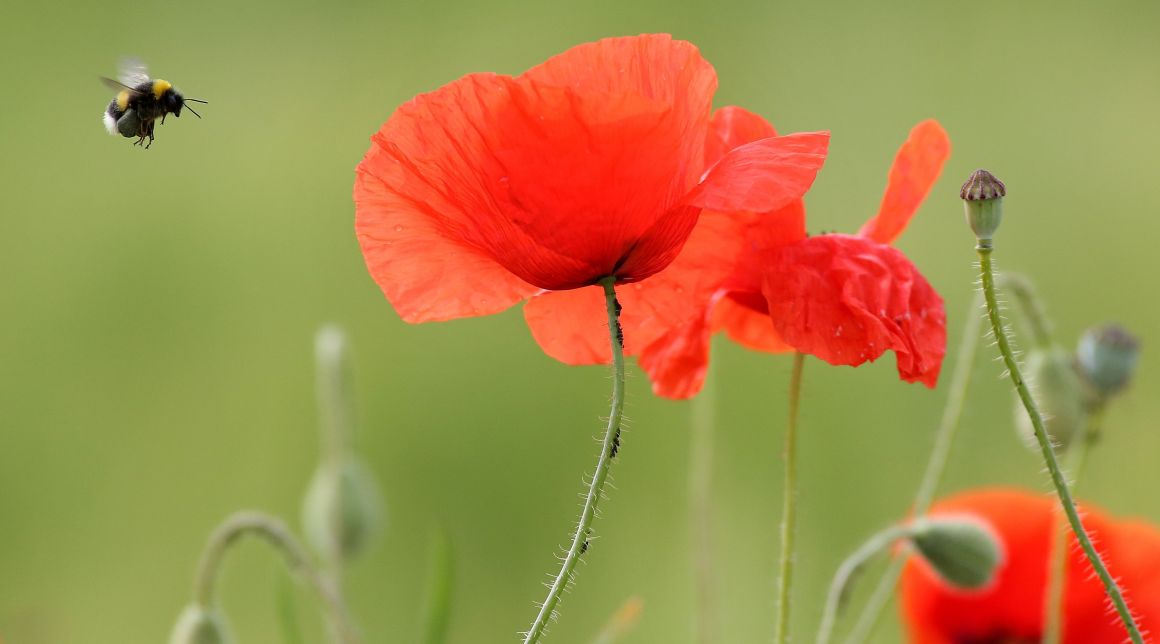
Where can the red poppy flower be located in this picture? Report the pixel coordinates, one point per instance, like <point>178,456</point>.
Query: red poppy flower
<point>494,189</point>
<point>1012,609</point>
<point>846,299</point>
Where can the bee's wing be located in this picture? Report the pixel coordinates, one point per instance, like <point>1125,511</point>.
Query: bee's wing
<point>133,72</point>
<point>117,85</point>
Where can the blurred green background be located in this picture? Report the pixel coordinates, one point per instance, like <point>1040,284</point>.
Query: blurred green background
<point>159,306</point>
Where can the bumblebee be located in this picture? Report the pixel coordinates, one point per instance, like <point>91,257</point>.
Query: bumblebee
<point>140,101</point>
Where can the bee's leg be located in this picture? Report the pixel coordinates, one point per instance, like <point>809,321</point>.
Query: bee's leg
<point>150,133</point>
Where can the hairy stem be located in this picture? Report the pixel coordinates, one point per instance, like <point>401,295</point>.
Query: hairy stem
<point>1057,575</point>
<point>840,585</point>
<point>935,466</point>
<point>789,504</point>
<point>1057,479</point>
<point>609,447</point>
<point>278,535</point>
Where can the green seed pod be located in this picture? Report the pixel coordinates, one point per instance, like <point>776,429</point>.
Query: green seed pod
<point>198,625</point>
<point>982,197</point>
<point>963,550</point>
<point>1060,394</point>
<point>346,504</point>
<point>1107,358</point>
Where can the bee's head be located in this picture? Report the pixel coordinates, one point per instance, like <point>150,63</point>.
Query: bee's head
<point>173,102</point>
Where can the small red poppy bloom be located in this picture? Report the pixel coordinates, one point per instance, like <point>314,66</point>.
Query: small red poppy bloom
<point>1011,610</point>
<point>494,189</point>
<point>846,299</point>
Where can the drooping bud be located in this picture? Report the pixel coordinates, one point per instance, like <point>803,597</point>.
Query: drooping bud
<point>1107,358</point>
<point>200,625</point>
<point>342,510</point>
<point>1060,394</point>
<point>962,549</point>
<point>982,197</point>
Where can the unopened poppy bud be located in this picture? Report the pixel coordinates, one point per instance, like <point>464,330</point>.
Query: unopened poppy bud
<point>963,550</point>
<point>342,511</point>
<point>200,625</point>
<point>982,197</point>
<point>1060,394</point>
<point>1107,358</point>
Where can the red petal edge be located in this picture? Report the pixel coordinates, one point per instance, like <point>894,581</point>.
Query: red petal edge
<point>916,168</point>
<point>764,175</point>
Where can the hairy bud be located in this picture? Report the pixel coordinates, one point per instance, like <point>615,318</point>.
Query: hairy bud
<point>1107,358</point>
<point>342,510</point>
<point>963,550</point>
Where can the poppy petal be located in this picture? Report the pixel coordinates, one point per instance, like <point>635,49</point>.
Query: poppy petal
<point>677,363</point>
<point>733,126</point>
<point>747,326</point>
<point>571,326</point>
<point>425,214</point>
<point>847,300</point>
<point>425,271</point>
<point>764,175</point>
<point>531,170</point>
<point>916,167</point>
<point>603,142</point>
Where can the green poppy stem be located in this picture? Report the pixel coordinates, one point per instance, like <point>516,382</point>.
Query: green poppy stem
<point>278,535</point>
<point>986,272</point>
<point>935,466</point>
<point>608,451</point>
<point>789,504</point>
<point>1057,580</point>
<point>840,585</point>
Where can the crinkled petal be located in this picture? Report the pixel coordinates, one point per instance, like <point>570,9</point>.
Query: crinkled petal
<point>764,175</point>
<point>848,300</point>
<point>916,167</point>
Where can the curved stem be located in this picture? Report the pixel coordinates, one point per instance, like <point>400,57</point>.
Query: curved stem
<point>333,386</point>
<point>278,535</point>
<point>935,466</point>
<point>701,507</point>
<point>789,504</point>
<point>1057,575</point>
<point>953,411</point>
<point>1057,479</point>
<point>846,572</point>
<point>609,448</point>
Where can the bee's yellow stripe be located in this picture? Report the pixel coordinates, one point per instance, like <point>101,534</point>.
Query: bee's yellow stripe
<point>123,100</point>
<point>160,87</point>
